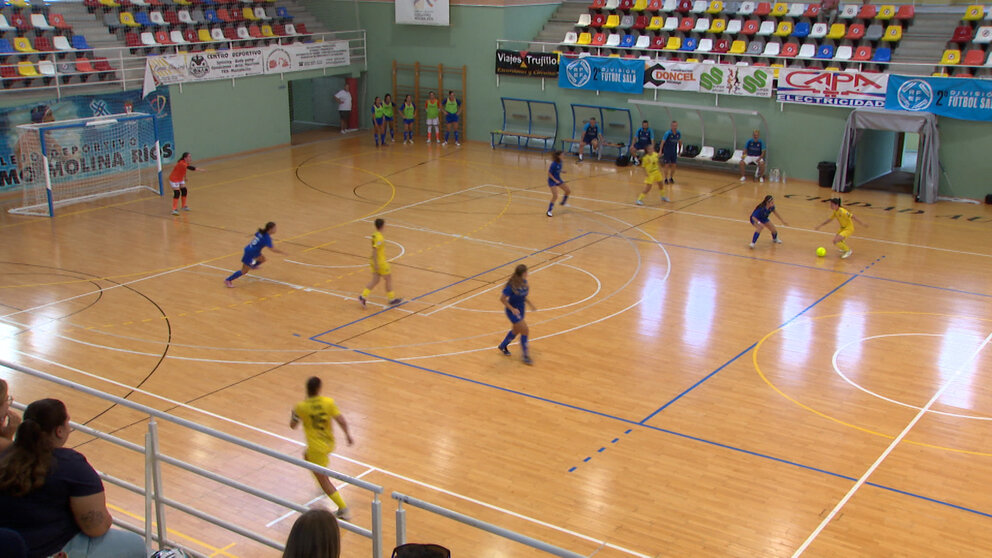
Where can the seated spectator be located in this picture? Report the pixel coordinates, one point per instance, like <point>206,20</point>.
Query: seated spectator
<point>314,535</point>
<point>415,550</point>
<point>590,137</point>
<point>643,138</point>
<point>12,545</point>
<point>51,495</point>
<point>755,153</point>
<point>9,421</point>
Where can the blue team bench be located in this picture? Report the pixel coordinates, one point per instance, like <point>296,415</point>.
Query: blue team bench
<point>528,120</point>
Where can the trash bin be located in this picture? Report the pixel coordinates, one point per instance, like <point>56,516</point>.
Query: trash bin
<point>827,171</point>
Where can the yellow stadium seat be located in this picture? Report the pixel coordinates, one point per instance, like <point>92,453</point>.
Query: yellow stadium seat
<point>23,44</point>
<point>837,31</point>
<point>615,55</point>
<point>204,36</point>
<point>886,12</point>
<point>267,31</point>
<point>20,3</point>
<point>951,56</point>
<point>718,26</point>
<point>639,6</point>
<point>716,6</point>
<point>584,39</point>
<point>974,13</point>
<point>109,3</point>
<point>940,73</point>
<point>674,43</point>
<point>784,29</point>
<point>738,47</point>
<point>832,69</point>
<point>779,9</point>
<point>182,2</point>
<point>249,14</point>
<point>775,68</point>
<point>692,60</point>
<point>27,69</point>
<point>892,33</point>
<point>127,19</point>
<point>656,23</point>
<point>612,22</point>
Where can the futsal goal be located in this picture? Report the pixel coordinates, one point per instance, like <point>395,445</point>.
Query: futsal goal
<point>74,161</point>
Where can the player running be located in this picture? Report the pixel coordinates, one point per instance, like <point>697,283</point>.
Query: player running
<point>555,181</point>
<point>380,267</point>
<point>253,257</point>
<point>513,298</point>
<point>652,174</point>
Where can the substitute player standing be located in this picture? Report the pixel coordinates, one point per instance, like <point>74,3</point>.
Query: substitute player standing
<point>177,179</point>
<point>844,218</point>
<point>432,108</point>
<point>452,110</point>
<point>652,174</point>
<point>409,112</point>
<point>671,146</point>
<point>316,412</point>
<point>380,267</point>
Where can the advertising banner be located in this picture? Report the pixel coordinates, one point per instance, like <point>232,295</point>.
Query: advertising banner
<point>726,79</point>
<point>602,74</point>
<point>841,89</point>
<point>961,98</point>
<point>82,106</point>
<point>524,63</point>
<point>422,12</point>
<point>673,76</point>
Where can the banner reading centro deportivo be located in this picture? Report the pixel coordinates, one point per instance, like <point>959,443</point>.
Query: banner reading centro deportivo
<point>965,99</point>
<point>524,63</point>
<point>223,64</point>
<point>602,74</point>
<point>726,79</point>
<point>842,89</point>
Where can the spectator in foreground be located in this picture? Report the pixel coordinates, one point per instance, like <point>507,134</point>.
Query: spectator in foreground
<point>314,535</point>
<point>52,497</point>
<point>9,421</point>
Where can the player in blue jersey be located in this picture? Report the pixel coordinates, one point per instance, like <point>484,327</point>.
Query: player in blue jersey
<point>643,138</point>
<point>514,298</point>
<point>590,137</point>
<point>760,219</point>
<point>555,181</point>
<point>754,154</point>
<point>671,146</point>
<point>253,257</point>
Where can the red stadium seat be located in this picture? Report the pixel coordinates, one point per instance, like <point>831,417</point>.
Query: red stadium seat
<point>654,5</point>
<point>962,34</point>
<point>685,6</point>
<point>750,27</point>
<point>58,20</point>
<point>301,29</point>
<point>230,33</point>
<point>162,37</point>
<point>763,9</point>
<point>686,24</point>
<point>868,11</point>
<point>862,54</point>
<point>812,11</point>
<point>721,46</point>
<point>598,20</point>
<point>171,17</point>
<point>855,31</point>
<point>906,12</point>
<point>20,22</point>
<point>974,57</point>
<point>597,4</point>
<point>626,5</point>
<point>789,50</point>
<point>658,42</point>
<point>190,36</point>
<point>599,39</point>
<point>641,22</point>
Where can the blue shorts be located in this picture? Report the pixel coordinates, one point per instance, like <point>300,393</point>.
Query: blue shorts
<point>388,118</point>
<point>639,145</point>
<point>589,139</point>
<point>552,183</point>
<point>514,319</point>
<point>248,258</point>
<point>669,158</point>
<point>450,118</point>
<point>408,121</point>
<point>759,219</point>
<point>378,121</point>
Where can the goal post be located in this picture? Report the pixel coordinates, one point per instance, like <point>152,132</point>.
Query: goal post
<point>73,161</point>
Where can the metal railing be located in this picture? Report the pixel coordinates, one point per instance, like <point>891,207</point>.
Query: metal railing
<point>155,501</point>
<point>128,66</point>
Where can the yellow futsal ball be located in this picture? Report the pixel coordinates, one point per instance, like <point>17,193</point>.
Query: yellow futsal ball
<point>821,251</point>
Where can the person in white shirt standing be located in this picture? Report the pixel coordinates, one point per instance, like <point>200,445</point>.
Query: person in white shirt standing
<point>343,98</point>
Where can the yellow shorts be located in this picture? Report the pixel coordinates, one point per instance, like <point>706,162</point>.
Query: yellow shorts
<point>317,457</point>
<point>381,268</point>
<point>845,232</point>
<point>653,177</point>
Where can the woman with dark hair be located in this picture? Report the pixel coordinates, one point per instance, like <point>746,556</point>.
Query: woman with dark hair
<point>177,179</point>
<point>514,298</point>
<point>761,219</point>
<point>9,421</point>
<point>51,495</point>
<point>314,535</point>
<point>253,257</point>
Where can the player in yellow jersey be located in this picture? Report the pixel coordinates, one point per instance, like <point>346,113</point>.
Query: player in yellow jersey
<point>649,162</point>
<point>315,413</point>
<point>844,218</point>
<point>380,267</point>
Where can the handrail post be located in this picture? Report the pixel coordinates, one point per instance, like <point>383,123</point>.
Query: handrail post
<point>157,480</point>
<point>400,524</point>
<point>148,493</point>
<point>376,527</point>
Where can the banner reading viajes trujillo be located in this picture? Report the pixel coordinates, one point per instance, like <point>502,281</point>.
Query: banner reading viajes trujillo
<point>843,89</point>
<point>171,69</point>
<point>962,98</point>
<point>602,74</point>
<point>726,79</point>
<point>673,76</point>
<point>524,63</point>
<point>83,106</point>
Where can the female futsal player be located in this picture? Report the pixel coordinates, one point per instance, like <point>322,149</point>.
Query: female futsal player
<point>649,162</point>
<point>389,113</point>
<point>253,257</point>
<point>409,111</point>
<point>513,298</point>
<point>760,219</point>
<point>378,126</point>
<point>177,179</point>
<point>844,218</point>
<point>555,181</point>
<point>432,106</point>
<point>380,267</point>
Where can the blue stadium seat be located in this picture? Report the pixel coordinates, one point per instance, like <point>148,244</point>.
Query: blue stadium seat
<point>689,44</point>
<point>6,47</point>
<point>882,54</point>
<point>825,52</point>
<point>79,43</point>
<point>142,18</point>
<point>628,41</point>
<point>801,30</point>
<point>283,13</point>
<point>210,16</point>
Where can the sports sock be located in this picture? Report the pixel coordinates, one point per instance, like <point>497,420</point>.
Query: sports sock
<point>456,136</point>
<point>391,295</point>
<point>365,293</point>
<point>509,337</point>
<point>336,497</point>
<point>376,137</point>
<point>184,201</point>
<point>392,133</point>
<point>382,138</point>
<point>234,276</point>
<point>774,236</point>
<point>446,136</point>
<point>843,246</point>
<point>755,237</point>
<point>175,203</point>
<point>551,206</point>
<point>564,199</point>
<point>640,196</point>
<point>523,344</point>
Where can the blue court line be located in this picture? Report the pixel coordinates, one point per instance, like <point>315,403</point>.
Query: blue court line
<point>929,499</point>
<point>448,286</point>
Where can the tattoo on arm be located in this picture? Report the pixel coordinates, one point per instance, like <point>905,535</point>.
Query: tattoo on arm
<point>92,520</point>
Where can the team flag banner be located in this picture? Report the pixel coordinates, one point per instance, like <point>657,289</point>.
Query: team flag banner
<point>673,76</point>
<point>422,12</point>
<point>524,63</point>
<point>602,74</point>
<point>89,159</point>
<point>841,89</point>
<point>726,79</point>
<point>171,69</point>
<point>964,99</point>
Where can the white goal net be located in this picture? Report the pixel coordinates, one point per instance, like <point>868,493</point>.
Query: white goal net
<point>74,161</point>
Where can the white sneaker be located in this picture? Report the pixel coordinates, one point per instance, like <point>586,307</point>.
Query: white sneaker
<point>847,254</point>
<point>458,144</point>
<point>665,199</point>
<point>428,140</point>
<point>761,179</point>
<point>777,240</point>
<point>639,202</point>
<point>743,179</point>
<point>751,245</point>
<point>411,141</point>
<point>549,214</point>
<point>445,143</point>
<point>580,156</point>
<point>343,513</point>
<point>175,212</point>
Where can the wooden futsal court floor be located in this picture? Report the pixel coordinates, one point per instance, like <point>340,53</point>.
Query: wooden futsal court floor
<point>689,397</point>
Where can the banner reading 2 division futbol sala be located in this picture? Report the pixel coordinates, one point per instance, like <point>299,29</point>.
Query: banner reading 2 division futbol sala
<point>962,98</point>
<point>842,89</point>
<point>602,74</point>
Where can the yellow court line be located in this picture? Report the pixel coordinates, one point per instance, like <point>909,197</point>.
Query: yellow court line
<point>215,550</point>
<point>754,360</point>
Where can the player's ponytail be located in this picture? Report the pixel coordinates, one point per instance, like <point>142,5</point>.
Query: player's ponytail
<point>26,463</point>
<point>763,202</point>
<point>267,228</point>
<point>517,279</point>
<point>556,156</point>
